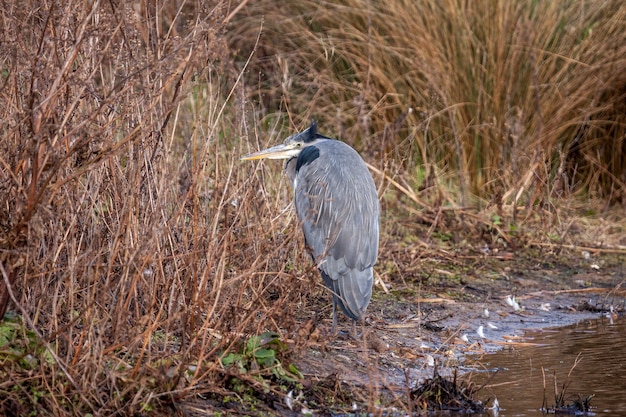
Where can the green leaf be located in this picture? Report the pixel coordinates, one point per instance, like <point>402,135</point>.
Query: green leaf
<point>253,343</point>
<point>265,357</point>
<point>47,356</point>
<point>294,370</point>
<point>231,358</point>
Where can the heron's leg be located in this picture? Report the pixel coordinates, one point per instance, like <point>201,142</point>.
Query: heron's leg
<point>333,329</point>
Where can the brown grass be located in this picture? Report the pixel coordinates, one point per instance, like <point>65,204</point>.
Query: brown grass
<point>516,97</point>
<point>135,247</point>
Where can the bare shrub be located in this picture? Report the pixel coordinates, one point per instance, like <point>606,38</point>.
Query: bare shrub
<point>123,238</point>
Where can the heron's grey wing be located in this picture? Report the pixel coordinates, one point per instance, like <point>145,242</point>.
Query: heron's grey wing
<point>337,204</point>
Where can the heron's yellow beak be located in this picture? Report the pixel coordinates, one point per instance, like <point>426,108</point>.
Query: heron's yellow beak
<point>275,152</point>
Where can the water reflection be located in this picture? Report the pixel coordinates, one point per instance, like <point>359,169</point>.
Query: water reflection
<point>599,345</point>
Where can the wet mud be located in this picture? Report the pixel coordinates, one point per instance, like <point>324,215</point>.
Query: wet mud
<point>457,310</point>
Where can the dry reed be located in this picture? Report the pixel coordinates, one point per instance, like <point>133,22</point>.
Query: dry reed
<point>521,101</point>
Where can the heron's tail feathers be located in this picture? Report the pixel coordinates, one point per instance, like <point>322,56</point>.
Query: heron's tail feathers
<point>352,291</point>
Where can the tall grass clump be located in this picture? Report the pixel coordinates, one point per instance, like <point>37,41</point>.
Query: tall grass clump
<point>125,250</point>
<point>521,101</point>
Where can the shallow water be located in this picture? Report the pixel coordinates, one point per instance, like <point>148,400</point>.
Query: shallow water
<point>597,346</point>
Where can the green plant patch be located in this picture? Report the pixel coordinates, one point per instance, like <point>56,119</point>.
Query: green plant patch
<point>19,345</point>
<point>260,354</point>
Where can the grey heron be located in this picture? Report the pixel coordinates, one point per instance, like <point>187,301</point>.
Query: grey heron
<point>337,204</point>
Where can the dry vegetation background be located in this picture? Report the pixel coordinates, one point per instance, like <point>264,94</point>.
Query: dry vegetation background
<point>134,244</point>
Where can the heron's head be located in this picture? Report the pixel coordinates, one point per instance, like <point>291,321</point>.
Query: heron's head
<point>292,146</point>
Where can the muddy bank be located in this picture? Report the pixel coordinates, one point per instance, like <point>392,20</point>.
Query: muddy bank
<point>432,310</point>
<point>469,304</point>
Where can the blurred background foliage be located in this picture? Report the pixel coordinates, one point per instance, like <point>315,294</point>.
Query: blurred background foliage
<point>501,96</point>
